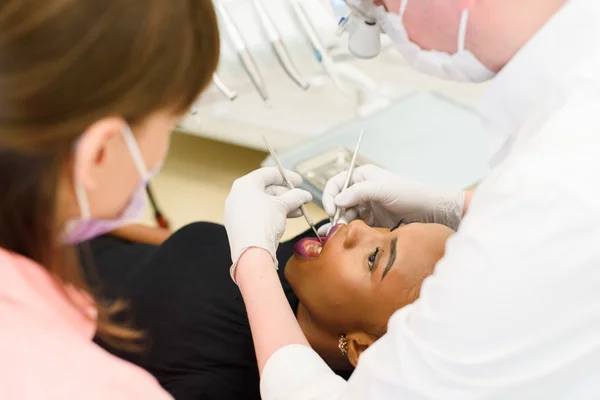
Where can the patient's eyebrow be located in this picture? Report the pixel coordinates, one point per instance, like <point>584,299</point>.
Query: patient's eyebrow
<point>392,257</point>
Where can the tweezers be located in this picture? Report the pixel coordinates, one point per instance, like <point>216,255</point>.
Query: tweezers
<point>338,211</point>
<point>290,186</point>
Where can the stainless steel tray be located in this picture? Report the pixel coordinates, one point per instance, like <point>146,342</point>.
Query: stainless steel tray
<point>424,136</point>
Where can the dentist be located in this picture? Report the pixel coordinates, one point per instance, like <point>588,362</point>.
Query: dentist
<point>513,309</point>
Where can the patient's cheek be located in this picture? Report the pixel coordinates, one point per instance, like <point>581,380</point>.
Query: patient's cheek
<point>412,294</point>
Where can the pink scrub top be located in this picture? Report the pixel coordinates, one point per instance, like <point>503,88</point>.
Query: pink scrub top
<point>46,348</point>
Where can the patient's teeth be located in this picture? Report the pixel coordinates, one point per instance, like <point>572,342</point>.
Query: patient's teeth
<point>320,250</point>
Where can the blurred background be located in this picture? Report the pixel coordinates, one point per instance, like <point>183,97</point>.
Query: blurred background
<point>406,115</point>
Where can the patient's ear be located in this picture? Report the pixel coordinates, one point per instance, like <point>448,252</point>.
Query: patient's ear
<point>357,343</point>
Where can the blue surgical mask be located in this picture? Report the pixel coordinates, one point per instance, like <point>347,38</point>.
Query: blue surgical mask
<point>85,227</point>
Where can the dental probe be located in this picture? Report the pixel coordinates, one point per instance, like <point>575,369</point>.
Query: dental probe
<point>278,46</point>
<point>243,52</point>
<point>230,94</point>
<point>291,186</point>
<point>338,211</point>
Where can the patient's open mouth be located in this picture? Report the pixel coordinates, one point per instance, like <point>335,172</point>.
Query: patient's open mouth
<point>311,247</point>
<point>308,248</point>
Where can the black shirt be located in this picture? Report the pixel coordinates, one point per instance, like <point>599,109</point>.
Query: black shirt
<point>198,342</point>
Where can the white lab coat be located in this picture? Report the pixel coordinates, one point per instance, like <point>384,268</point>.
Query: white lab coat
<point>513,309</point>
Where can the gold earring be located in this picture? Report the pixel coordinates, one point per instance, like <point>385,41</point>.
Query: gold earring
<point>343,345</point>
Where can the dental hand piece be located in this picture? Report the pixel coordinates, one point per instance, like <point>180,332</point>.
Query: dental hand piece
<point>319,49</point>
<point>256,211</point>
<point>364,39</point>
<point>338,211</point>
<point>243,52</point>
<point>361,8</point>
<point>230,94</point>
<point>291,186</point>
<point>382,198</point>
<point>278,46</point>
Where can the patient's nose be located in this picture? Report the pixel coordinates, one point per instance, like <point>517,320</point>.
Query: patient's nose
<point>357,232</point>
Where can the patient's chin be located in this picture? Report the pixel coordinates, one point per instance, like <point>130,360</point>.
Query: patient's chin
<point>290,270</point>
<point>298,272</point>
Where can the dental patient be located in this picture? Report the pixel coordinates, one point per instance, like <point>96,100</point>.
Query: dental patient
<point>197,338</point>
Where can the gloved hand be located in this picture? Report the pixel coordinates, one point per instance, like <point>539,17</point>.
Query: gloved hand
<point>382,198</point>
<point>256,211</point>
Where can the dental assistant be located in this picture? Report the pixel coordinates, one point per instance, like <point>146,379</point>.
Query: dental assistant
<point>89,93</point>
<point>512,311</point>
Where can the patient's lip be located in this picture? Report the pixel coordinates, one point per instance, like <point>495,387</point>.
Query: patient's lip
<point>310,248</point>
<point>333,230</point>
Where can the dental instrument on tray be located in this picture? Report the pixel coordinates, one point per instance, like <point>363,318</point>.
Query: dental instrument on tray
<point>229,93</point>
<point>278,46</point>
<point>291,186</point>
<point>243,52</point>
<point>321,53</point>
<point>338,211</point>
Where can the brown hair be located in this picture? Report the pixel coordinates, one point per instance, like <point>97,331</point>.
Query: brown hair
<point>67,63</point>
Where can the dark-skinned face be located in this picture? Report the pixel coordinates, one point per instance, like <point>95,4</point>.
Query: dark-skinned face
<point>362,275</point>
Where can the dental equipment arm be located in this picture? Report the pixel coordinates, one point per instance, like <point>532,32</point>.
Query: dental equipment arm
<point>364,32</point>
<point>229,93</point>
<point>243,52</point>
<point>319,49</point>
<point>278,46</point>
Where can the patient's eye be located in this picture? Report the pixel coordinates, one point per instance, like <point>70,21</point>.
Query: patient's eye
<point>372,258</point>
<point>397,225</point>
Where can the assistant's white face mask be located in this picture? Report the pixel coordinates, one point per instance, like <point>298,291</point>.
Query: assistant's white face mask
<point>462,66</point>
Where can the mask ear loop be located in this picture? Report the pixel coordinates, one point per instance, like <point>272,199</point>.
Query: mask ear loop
<point>462,30</point>
<point>136,154</point>
<point>138,159</point>
<point>462,27</point>
<point>81,196</point>
<point>82,201</point>
<point>402,9</point>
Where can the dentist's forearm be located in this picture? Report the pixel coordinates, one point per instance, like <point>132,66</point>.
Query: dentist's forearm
<point>139,233</point>
<point>272,321</point>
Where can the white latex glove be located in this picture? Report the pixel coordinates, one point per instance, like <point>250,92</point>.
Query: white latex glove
<point>382,199</point>
<point>257,208</point>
